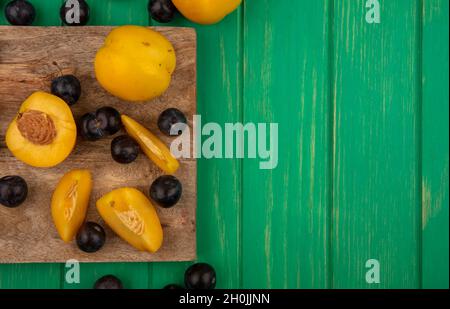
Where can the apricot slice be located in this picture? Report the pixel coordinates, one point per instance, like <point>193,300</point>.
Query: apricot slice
<point>152,146</point>
<point>131,215</point>
<point>70,202</point>
<point>44,132</point>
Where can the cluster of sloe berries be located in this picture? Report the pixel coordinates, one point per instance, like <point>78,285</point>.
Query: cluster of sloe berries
<point>23,13</point>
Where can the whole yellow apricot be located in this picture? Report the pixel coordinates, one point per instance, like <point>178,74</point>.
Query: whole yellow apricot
<point>44,132</point>
<point>206,12</point>
<point>135,63</point>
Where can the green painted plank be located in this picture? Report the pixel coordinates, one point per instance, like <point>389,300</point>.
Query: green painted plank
<point>285,210</point>
<point>47,12</point>
<point>33,275</point>
<point>435,144</point>
<point>219,73</point>
<point>219,76</point>
<point>376,194</point>
<point>110,12</point>
<point>3,20</point>
<point>30,276</point>
<point>167,273</point>
<point>133,275</point>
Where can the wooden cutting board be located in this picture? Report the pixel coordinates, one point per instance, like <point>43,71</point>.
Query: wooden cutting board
<point>29,60</point>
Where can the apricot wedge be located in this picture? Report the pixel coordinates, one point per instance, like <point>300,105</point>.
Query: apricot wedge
<point>152,146</point>
<point>131,215</point>
<point>70,202</point>
<point>44,132</point>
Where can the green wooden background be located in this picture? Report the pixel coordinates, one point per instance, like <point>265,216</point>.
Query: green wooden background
<point>363,147</point>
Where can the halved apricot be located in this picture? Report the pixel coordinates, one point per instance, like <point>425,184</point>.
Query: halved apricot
<point>44,132</point>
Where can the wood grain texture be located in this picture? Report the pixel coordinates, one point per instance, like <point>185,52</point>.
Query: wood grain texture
<point>285,220</point>
<point>376,210</point>
<point>27,57</point>
<point>435,129</point>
